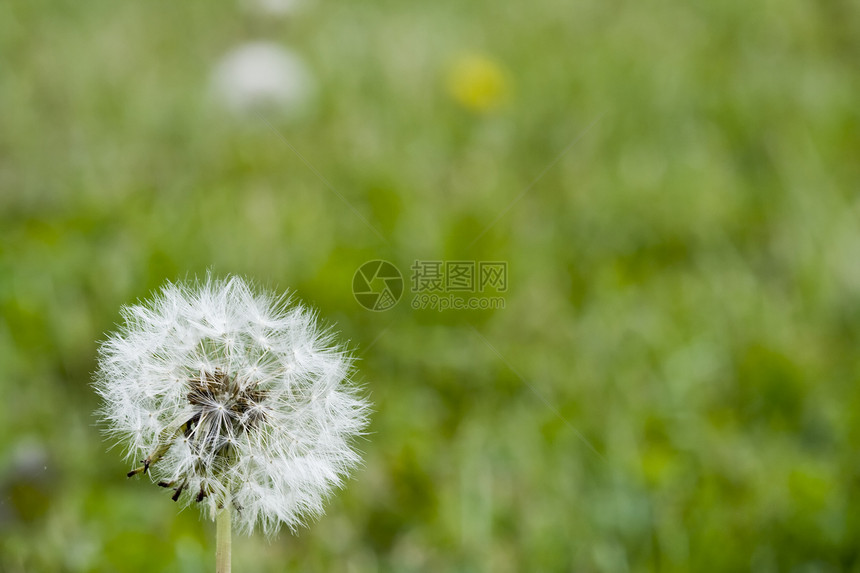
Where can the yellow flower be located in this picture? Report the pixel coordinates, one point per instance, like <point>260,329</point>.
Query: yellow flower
<point>478,83</point>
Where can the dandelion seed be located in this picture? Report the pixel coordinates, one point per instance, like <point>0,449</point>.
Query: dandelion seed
<point>188,388</point>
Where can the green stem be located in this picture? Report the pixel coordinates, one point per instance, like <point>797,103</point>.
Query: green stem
<point>222,536</point>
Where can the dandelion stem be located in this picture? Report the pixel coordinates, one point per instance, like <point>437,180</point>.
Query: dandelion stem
<point>222,536</point>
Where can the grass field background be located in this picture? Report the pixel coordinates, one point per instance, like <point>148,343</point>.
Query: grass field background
<point>673,382</point>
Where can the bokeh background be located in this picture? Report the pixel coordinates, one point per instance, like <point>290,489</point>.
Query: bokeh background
<point>673,382</point>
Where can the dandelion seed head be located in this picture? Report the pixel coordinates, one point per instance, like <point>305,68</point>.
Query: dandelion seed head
<point>262,77</point>
<point>274,8</point>
<point>231,394</point>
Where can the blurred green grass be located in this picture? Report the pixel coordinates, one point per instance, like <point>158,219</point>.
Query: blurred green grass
<point>683,281</point>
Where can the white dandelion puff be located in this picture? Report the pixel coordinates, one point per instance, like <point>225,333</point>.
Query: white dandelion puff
<point>263,76</point>
<point>233,398</point>
<point>274,8</point>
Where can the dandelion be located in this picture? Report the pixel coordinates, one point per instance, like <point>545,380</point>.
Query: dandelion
<point>234,399</point>
<point>263,76</point>
<point>274,8</point>
<point>478,83</point>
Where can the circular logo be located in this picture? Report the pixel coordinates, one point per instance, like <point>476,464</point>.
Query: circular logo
<point>377,285</point>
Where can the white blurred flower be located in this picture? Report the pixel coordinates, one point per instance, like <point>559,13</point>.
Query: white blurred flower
<point>277,8</point>
<point>264,75</point>
<point>230,395</point>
